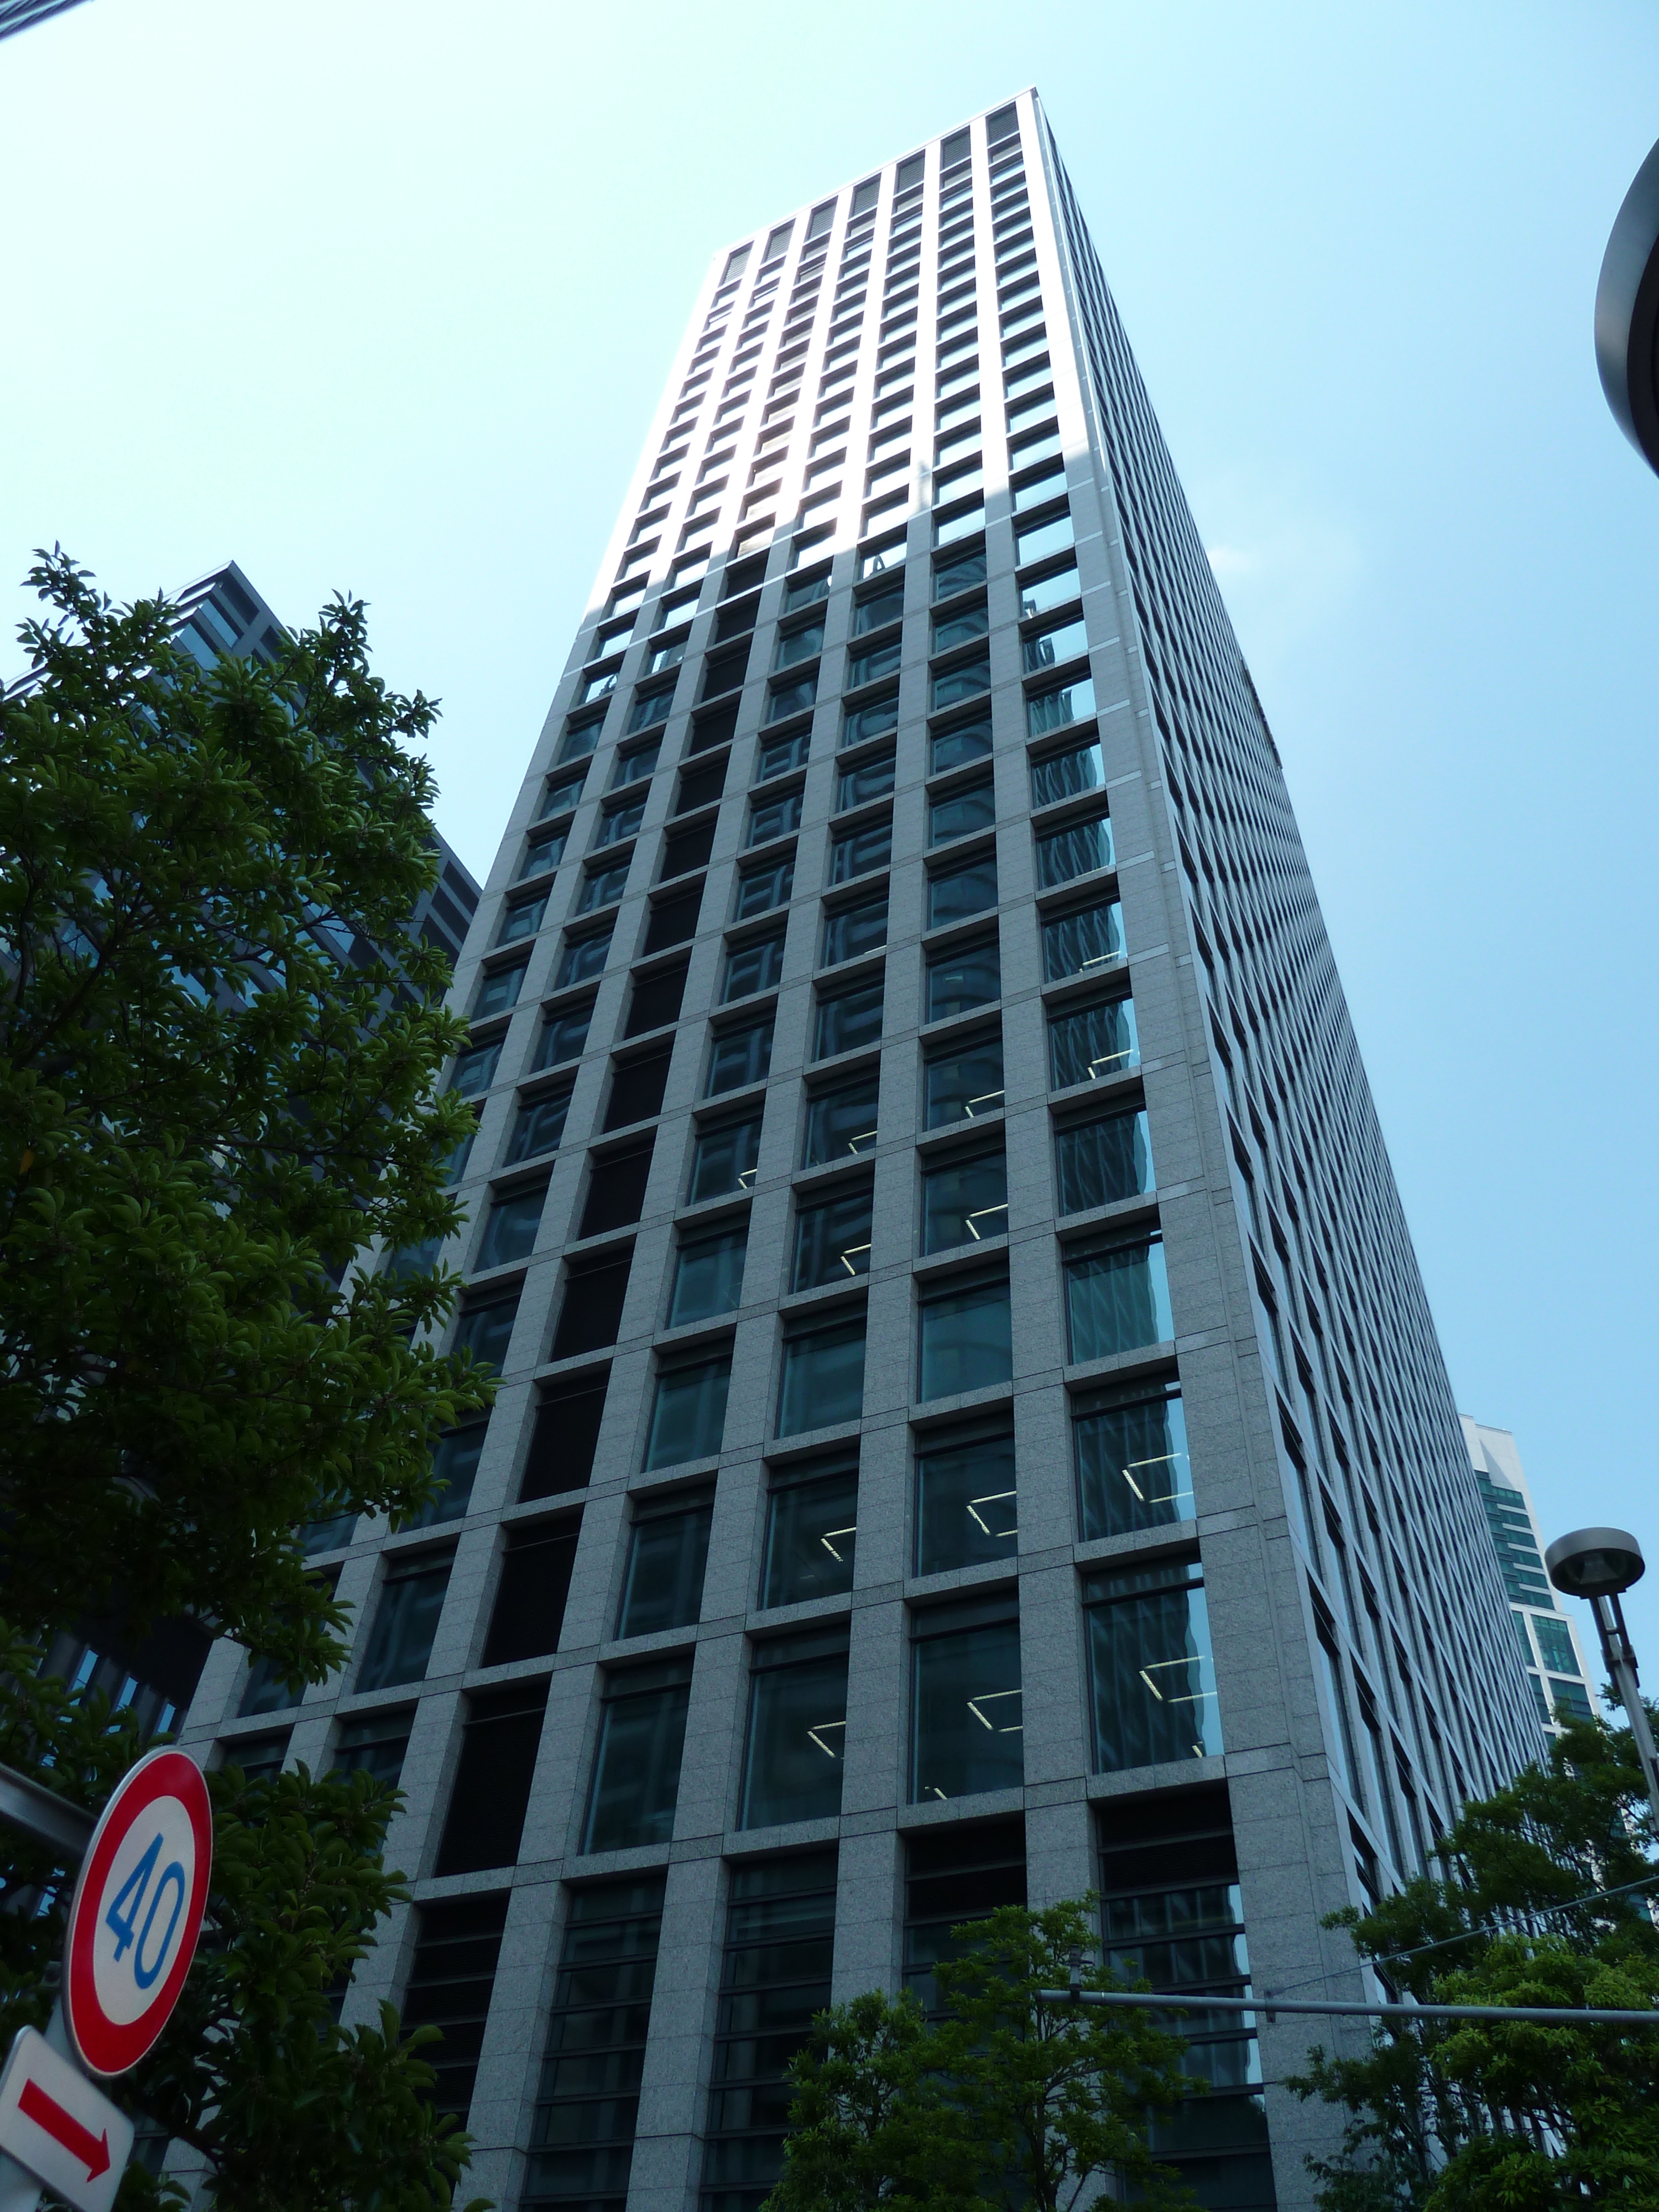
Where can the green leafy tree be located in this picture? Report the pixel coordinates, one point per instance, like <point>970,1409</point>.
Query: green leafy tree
<point>1010,2102</point>
<point>1509,2115</point>
<point>213,1091</point>
<point>290,2112</point>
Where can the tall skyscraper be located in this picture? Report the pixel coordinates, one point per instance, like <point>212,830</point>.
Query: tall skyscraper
<point>1545,1631</point>
<point>931,1223</point>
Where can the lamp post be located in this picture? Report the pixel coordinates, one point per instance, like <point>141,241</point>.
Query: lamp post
<point>1597,1564</point>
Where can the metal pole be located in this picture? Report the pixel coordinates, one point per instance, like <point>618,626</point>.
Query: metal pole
<point>1150,2000</point>
<point>1620,1657</point>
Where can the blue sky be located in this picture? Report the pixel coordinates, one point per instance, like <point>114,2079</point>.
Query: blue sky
<point>380,297</point>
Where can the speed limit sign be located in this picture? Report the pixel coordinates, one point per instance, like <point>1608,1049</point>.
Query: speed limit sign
<point>137,1911</point>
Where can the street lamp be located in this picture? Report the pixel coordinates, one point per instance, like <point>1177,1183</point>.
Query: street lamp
<point>1597,1564</point>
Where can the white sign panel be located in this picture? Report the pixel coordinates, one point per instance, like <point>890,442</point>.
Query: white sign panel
<point>66,2132</point>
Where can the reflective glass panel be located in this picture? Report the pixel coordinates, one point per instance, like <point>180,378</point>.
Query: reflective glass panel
<point>849,1021</point>
<point>753,967</point>
<point>953,894</point>
<point>871,779</point>
<point>1118,1300</point>
<point>797,1733</point>
<point>832,1239</point>
<point>964,1201</point>
<point>958,1085</point>
<point>955,813</point>
<point>1077,850</point>
<point>967,976</point>
<point>966,1340</point>
<point>812,1534</point>
<point>1088,937</point>
<point>667,1553</point>
<point>1099,1161</point>
<point>1092,1043</point>
<point>840,1123</point>
<point>1151,1667</point>
<point>709,1278</point>
<point>966,1508</point>
<point>637,1771</point>
<point>966,1710</point>
<point>687,1415</point>
<point>1133,1470</point>
<point>823,1377</point>
<point>725,1160</point>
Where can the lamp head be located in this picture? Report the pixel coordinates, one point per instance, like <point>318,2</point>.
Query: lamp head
<point>1595,1562</point>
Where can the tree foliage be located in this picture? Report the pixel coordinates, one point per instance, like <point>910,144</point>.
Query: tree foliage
<point>291,2112</point>
<point>213,1091</point>
<point>1510,2116</point>
<point>1010,2102</point>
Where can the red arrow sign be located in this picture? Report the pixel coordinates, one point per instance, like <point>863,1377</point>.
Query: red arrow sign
<point>91,2150</point>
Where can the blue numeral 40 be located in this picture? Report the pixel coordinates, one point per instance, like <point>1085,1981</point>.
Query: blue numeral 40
<point>129,1901</point>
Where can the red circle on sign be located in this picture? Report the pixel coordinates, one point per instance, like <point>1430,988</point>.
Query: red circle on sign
<point>113,2027</point>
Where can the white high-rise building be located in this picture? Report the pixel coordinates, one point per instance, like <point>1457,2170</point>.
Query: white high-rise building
<point>1547,1633</point>
<point>930,1220</point>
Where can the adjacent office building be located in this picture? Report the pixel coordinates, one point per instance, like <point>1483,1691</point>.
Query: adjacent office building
<point>1548,1634</point>
<point>930,1224</point>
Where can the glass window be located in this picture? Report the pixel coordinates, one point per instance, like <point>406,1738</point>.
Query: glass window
<point>874,720</point>
<point>796,1729</point>
<point>880,560</point>
<point>774,818</point>
<point>965,1705</point>
<point>1052,648</point>
<point>582,956</point>
<point>841,1122</point>
<point>779,754</point>
<point>966,1339</point>
<point>618,823</point>
<point>798,645</point>
<point>475,1070</point>
<point>637,1771</point>
<point>1047,537</point>
<point>958,1085</point>
<point>955,893</point>
<point>725,1159</point>
<point>870,779</point>
<point>1088,937</point>
<point>738,1056</point>
<point>486,1329</point>
<point>564,1036</point>
<point>522,920</point>
<point>966,976</point>
<point>510,1227</point>
<point>1132,1471</point>
<point>876,613</point>
<point>870,667</point>
<point>805,591</point>
<point>667,1553</point>
<point>832,1239</point>
<point>498,989</point>
<point>688,1416</point>
<point>1077,850</point>
<point>406,1620</point>
<point>849,1021</point>
<point>950,748</point>
<point>604,887</point>
<point>1048,591</point>
<point>633,766</point>
<point>849,931</point>
<point>756,966</point>
<point>562,792</point>
<point>860,850</point>
<point>822,1379</point>
<point>709,1278</point>
<point>373,1742</point>
<point>1053,710</point>
<point>966,1509</point>
<point>1092,1043</point>
<point>1117,1299</point>
<point>541,855</point>
<point>951,577</point>
<point>1152,1673</point>
<point>668,655</point>
<point>649,708</point>
<point>1555,1643</point>
<point>958,813</point>
<point>1058,775</point>
<point>793,698</point>
<point>1099,1161</point>
<point>579,740</point>
<point>455,1469</point>
<point>811,1532</point>
<point>964,1201</point>
<point>760,889</point>
<point>951,529</point>
<point>967,680</point>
